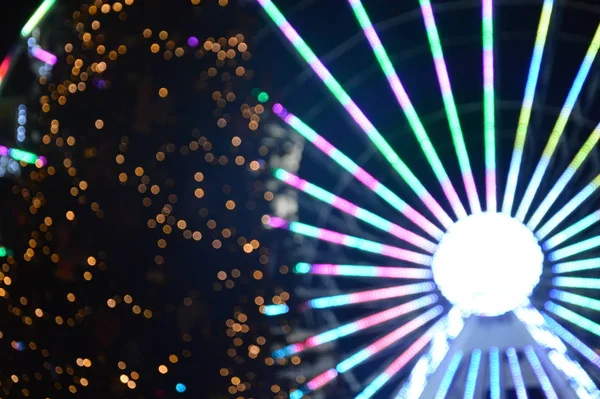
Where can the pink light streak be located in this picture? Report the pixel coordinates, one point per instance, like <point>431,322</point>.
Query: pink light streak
<point>43,55</point>
<point>378,271</point>
<point>322,379</point>
<point>384,293</point>
<point>4,66</point>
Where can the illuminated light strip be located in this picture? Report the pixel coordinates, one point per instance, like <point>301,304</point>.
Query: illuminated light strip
<point>450,327</point>
<point>415,122</point>
<point>515,370</point>
<point>387,340</point>
<point>494,373</point>
<point>489,107</point>
<point>449,104</point>
<point>572,340</point>
<point>43,55</point>
<point>575,249</point>
<point>368,352</point>
<point>361,324</point>
<point>577,282</point>
<point>548,333</point>
<point>363,271</point>
<point>23,156</point>
<point>37,16</point>
<point>574,299</point>
<point>357,115</point>
<point>4,67</point>
<point>371,295</point>
<point>472,374</point>
<point>577,265</point>
<point>359,173</point>
<point>559,127</point>
<point>398,364</point>
<point>566,210</point>
<point>322,379</point>
<point>564,179</point>
<point>572,230</point>
<point>541,375</point>
<point>525,115</point>
<point>449,376</point>
<point>573,317</point>
<point>351,241</point>
<point>274,310</point>
<point>354,210</point>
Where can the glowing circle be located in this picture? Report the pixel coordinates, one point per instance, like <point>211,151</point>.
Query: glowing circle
<point>487,264</point>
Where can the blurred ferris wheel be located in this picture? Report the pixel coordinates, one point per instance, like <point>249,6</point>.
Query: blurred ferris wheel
<point>30,59</point>
<point>463,263</point>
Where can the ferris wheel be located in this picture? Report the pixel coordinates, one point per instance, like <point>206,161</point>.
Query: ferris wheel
<point>475,282</point>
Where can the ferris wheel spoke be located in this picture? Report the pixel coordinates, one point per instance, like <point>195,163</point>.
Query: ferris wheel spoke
<point>539,372</point>
<point>355,112</point>
<point>517,375</point>
<point>448,328</point>
<point>525,114</point>
<point>472,374</point>
<point>358,325</point>
<point>37,16</point>
<point>575,249</point>
<point>577,265</point>
<point>572,230</point>
<point>359,173</point>
<point>449,376</point>
<point>351,241</point>
<point>43,55</point>
<point>370,296</point>
<point>494,373</point>
<point>550,335</point>
<point>572,340</point>
<point>354,210</point>
<point>568,208</point>
<point>399,363</point>
<point>417,126</point>
<point>576,282</point>
<point>450,104</point>
<point>574,299</point>
<point>363,271</point>
<point>573,317</point>
<point>559,127</point>
<point>564,179</point>
<point>368,352</point>
<point>489,104</point>
<point>5,66</point>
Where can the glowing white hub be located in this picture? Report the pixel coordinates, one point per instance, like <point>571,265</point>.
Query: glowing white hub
<point>487,264</point>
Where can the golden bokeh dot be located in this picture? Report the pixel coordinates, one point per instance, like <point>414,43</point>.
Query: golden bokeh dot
<point>163,92</point>
<point>99,124</point>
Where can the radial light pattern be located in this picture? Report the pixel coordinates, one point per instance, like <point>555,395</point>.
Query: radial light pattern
<point>490,269</point>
